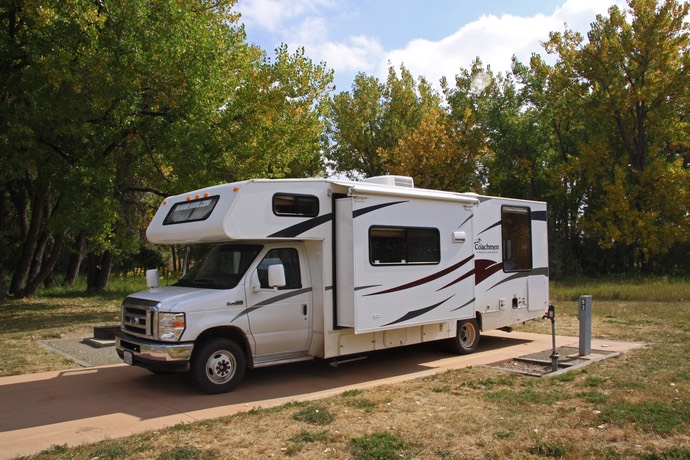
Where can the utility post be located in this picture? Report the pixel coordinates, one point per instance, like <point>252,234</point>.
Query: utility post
<point>584,315</point>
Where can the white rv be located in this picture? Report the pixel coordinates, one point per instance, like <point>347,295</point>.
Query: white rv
<point>299,269</point>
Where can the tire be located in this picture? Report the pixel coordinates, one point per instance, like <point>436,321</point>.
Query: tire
<point>218,366</point>
<point>467,338</point>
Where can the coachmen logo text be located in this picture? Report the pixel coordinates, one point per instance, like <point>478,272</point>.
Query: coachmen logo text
<point>479,246</point>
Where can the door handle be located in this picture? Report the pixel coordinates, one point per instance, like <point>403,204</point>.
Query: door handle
<point>235,302</point>
<point>304,309</point>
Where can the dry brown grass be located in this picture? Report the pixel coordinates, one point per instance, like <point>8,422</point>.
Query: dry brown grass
<point>23,323</point>
<point>633,406</point>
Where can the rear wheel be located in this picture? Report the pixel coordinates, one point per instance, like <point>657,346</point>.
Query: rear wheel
<point>467,338</point>
<point>218,366</point>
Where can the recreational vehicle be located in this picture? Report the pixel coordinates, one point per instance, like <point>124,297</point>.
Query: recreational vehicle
<point>298,269</point>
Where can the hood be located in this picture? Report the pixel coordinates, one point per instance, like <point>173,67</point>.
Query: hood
<point>175,298</point>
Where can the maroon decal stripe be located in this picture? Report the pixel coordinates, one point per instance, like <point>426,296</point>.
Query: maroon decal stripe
<point>426,279</point>
<point>484,268</point>
<point>466,275</point>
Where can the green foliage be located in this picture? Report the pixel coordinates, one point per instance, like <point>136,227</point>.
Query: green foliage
<point>627,88</point>
<point>378,446</point>
<point>108,107</point>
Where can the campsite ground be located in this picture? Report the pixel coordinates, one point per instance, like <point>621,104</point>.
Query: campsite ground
<point>634,406</point>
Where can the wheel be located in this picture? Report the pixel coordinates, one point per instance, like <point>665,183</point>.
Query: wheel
<point>467,337</point>
<point>218,365</point>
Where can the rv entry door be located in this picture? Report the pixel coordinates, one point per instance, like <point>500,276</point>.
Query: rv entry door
<point>280,317</point>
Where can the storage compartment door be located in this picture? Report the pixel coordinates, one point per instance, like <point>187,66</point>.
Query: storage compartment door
<point>538,292</point>
<point>344,264</point>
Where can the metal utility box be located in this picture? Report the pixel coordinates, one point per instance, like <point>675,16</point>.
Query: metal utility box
<point>584,315</point>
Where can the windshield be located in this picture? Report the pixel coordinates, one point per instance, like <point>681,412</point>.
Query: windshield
<point>222,268</point>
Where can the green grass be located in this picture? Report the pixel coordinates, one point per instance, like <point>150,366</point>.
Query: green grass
<point>650,416</point>
<point>378,446</point>
<point>636,288</point>
<point>314,414</point>
<point>188,453</point>
<point>550,449</point>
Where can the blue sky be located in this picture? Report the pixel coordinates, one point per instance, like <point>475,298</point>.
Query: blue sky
<point>432,38</point>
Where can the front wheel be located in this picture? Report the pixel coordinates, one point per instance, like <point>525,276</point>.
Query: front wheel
<point>218,366</point>
<point>467,338</point>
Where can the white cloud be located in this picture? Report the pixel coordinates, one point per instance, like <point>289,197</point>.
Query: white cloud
<point>275,15</point>
<point>493,39</point>
<point>357,54</point>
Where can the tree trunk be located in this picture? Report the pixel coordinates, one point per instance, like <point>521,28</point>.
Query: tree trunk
<point>3,288</point>
<point>48,248</point>
<point>75,258</point>
<point>98,270</point>
<point>21,273</point>
<point>47,269</point>
<point>42,247</point>
<point>174,259</point>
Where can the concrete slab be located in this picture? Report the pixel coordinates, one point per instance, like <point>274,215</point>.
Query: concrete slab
<point>87,405</point>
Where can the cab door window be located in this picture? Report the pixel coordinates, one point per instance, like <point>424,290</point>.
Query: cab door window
<point>289,258</point>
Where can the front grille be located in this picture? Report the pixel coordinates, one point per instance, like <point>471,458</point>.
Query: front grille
<point>130,346</point>
<point>139,317</point>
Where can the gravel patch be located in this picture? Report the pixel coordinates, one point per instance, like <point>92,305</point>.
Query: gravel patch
<point>539,364</point>
<point>82,353</point>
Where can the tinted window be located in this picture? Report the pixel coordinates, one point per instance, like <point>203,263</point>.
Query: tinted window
<point>402,245</point>
<point>295,205</point>
<point>289,257</point>
<point>191,211</point>
<point>517,238</point>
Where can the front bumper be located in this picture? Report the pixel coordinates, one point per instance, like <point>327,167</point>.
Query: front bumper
<point>155,355</point>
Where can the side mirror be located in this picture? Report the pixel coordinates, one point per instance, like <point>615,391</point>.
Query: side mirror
<point>152,279</point>
<point>276,276</point>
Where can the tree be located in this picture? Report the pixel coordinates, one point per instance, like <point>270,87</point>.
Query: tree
<point>439,152</point>
<point>108,106</point>
<point>631,82</point>
<point>273,124</point>
<point>362,126</point>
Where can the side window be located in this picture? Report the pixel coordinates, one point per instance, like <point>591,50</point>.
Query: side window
<point>402,246</point>
<point>517,238</point>
<point>295,205</point>
<point>289,257</point>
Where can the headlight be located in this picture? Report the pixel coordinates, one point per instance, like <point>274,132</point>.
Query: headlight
<point>170,326</point>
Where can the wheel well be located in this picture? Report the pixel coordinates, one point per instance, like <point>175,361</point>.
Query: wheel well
<point>479,321</point>
<point>229,333</point>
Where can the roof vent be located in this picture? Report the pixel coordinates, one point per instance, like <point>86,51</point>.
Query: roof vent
<point>391,181</point>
